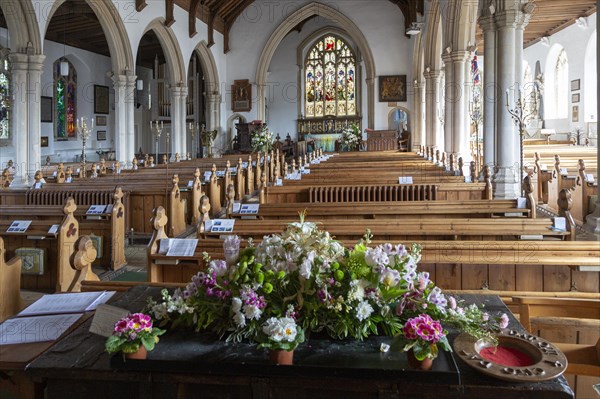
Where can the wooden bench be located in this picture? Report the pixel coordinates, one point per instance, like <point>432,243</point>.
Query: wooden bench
<point>68,255</point>
<point>10,282</point>
<point>393,209</point>
<point>109,225</point>
<point>573,325</point>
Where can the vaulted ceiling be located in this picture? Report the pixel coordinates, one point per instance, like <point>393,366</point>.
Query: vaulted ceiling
<point>75,24</point>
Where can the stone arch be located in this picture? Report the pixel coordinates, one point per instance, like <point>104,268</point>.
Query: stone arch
<point>114,30</point>
<point>433,46</point>
<point>460,18</point>
<point>170,46</point>
<point>209,67</point>
<point>590,87</point>
<point>300,54</point>
<point>550,100</point>
<point>294,19</point>
<point>22,25</point>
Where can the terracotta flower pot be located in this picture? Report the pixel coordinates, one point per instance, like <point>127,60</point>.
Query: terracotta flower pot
<point>282,357</point>
<point>141,354</point>
<point>416,364</point>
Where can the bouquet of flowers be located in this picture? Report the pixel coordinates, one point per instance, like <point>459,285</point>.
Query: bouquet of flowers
<point>131,332</point>
<point>261,139</point>
<point>350,137</point>
<point>303,280</point>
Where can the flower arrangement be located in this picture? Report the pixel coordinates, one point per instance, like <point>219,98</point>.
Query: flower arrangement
<point>261,139</point>
<point>350,137</point>
<point>303,280</point>
<point>131,332</point>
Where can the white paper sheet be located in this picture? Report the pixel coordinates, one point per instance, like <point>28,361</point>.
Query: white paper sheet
<point>72,302</point>
<point>22,330</point>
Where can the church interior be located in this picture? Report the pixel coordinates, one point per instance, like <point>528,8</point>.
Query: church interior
<point>142,140</point>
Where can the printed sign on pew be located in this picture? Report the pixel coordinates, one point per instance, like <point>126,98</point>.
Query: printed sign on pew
<point>18,226</point>
<point>219,225</point>
<point>405,180</point>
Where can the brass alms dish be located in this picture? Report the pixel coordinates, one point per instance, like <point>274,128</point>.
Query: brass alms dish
<point>547,361</point>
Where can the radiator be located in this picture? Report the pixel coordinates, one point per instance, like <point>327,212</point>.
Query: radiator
<point>58,197</point>
<point>415,192</point>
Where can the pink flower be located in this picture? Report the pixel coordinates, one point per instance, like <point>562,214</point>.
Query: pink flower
<point>503,320</point>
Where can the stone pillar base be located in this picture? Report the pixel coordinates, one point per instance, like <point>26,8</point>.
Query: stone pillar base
<point>506,184</point>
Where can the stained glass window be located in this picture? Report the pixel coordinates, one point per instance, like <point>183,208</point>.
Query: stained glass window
<point>65,104</point>
<point>5,100</point>
<point>330,74</point>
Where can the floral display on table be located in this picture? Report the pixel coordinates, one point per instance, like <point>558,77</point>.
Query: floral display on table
<point>350,138</point>
<point>133,333</point>
<point>261,139</point>
<point>303,281</point>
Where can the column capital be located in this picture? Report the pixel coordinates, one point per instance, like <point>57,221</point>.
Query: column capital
<point>36,62</point>
<point>508,19</point>
<point>180,91</point>
<point>19,61</point>
<point>487,23</point>
<point>432,74</point>
<point>119,80</point>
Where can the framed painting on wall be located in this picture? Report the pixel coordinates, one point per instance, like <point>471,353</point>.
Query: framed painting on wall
<point>101,135</point>
<point>575,116</point>
<point>44,141</point>
<point>101,120</point>
<point>100,99</point>
<point>392,88</point>
<point>575,84</point>
<point>241,96</point>
<point>46,109</point>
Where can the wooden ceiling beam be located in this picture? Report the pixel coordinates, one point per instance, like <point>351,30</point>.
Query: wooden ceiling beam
<point>140,5</point>
<point>169,17</point>
<point>192,17</point>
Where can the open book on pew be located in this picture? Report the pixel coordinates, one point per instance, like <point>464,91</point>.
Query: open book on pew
<point>176,247</point>
<point>70,302</point>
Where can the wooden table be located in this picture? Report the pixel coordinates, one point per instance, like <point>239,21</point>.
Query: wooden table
<point>193,366</point>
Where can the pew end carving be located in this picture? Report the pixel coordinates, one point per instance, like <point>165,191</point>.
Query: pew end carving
<point>11,301</point>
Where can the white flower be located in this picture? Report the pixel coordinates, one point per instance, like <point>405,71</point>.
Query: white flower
<point>236,304</point>
<point>273,329</point>
<point>306,266</point>
<point>239,319</point>
<point>289,329</point>
<point>389,277</point>
<point>252,312</point>
<point>363,310</point>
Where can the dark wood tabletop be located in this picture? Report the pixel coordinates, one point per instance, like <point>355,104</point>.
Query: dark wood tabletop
<point>195,365</point>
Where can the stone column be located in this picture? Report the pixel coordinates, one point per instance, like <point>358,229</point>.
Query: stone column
<point>178,114</point>
<point>178,96</point>
<point>432,100</point>
<point>507,180</point>
<point>592,222</point>
<point>418,136</point>
<point>460,116</point>
<point>450,92</point>
<point>130,118</point>
<point>489,94</point>
<point>19,133</point>
<point>260,101</point>
<point>36,64</point>
<point>121,150</point>
<point>213,119</point>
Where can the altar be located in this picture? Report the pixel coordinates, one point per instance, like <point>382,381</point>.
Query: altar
<point>324,141</point>
<point>185,364</point>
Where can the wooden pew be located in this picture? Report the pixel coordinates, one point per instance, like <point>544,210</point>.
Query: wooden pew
<point>68,255</point>
<point>393,209</point>
<point>573,325</point>
<point>110,226</point>
<point>11,301</point>
<point>534,266</point>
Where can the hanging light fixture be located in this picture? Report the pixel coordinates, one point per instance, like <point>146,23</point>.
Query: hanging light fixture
<point>64,64</point>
